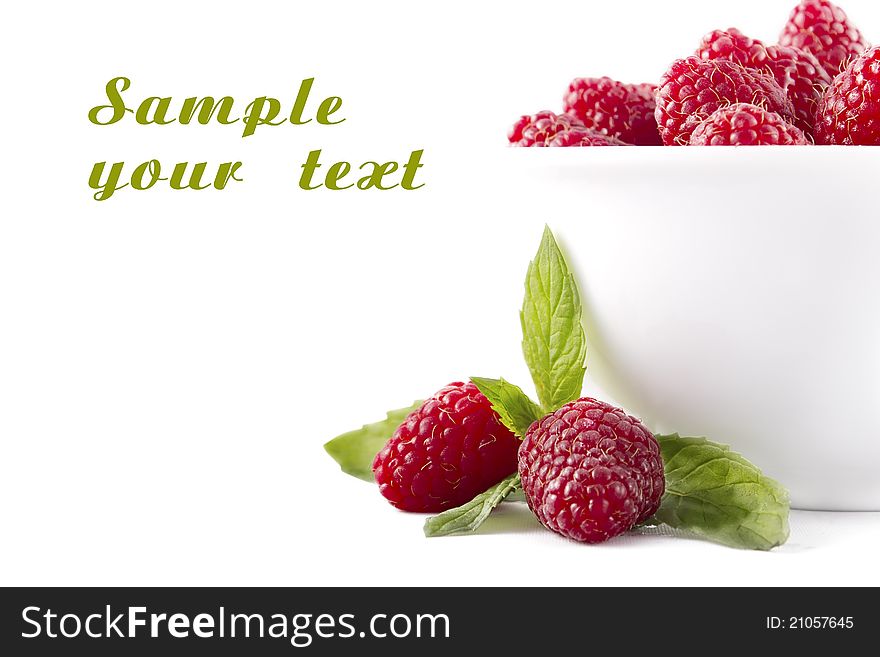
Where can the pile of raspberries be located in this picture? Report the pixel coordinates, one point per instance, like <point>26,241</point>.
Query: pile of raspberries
<point>819,85</point>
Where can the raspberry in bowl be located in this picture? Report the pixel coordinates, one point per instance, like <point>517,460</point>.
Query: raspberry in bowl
<point>732,292</point>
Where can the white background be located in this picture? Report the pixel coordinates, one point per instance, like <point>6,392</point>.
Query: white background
<point>172,362</point>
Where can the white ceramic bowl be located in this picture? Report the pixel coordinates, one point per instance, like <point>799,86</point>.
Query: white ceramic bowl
<point>732,293</point>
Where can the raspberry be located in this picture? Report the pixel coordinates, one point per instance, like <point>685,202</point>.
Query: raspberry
<point>590,471</point>
<point>849,110</point>
<point>803,78</point>
<point>733,45</point>
<point>616,109</point>
<point>798,72</point>
<point>448,450</point>
<point>692,89</point>
<point>542,127</point>
<point>822,29</point>
<point>746,125</point>
<point>579,137</point>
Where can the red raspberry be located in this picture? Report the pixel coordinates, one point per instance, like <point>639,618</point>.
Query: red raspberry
<point>692,89</point>
<point>590,471</point>
<point>540,128</point>
<point>822,29</point>
<point>733,45</point>
<point>798,72</point>
<point>803,78</point>
<point>450,449</point>
<point>578,137</point>
<point>616,109</point>
<point>746,125</point>
<point>849,111</point>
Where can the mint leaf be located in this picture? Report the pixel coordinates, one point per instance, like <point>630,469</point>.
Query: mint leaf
<point>355,450</point>
<point>469,516</point>
<point>516,410</point>
<point>554,343</point>
<point>719,495</point>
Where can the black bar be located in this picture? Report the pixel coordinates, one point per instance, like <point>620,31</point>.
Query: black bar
<point>539,621</point>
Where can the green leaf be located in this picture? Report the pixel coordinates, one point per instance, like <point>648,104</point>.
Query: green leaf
<point>516,410</point>
<point>719,495</point>
<point>354,451</point>
<point>554,344</point>
<point>469,516</point>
